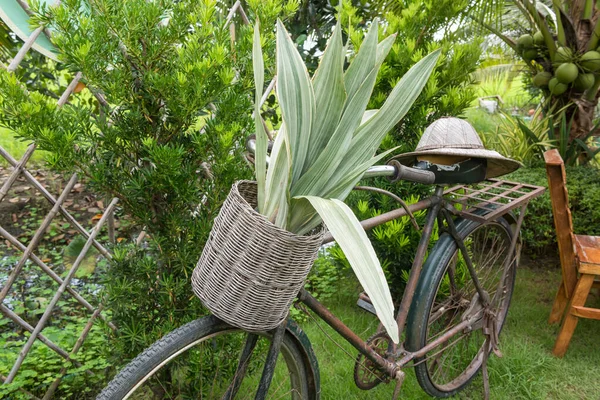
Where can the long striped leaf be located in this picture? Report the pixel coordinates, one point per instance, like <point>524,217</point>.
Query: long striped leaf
<point>278,180</point>
<point>317,177</point>
<point>368,115</point>
<point>344,186</point>
<point>369,135</point>
<point>260,157</point>
<point>330,96</point>
<point>364,61</point>
<point>296,98</point>
<point>349,234</point>
<point>398,103</point>
<point>303,220</point>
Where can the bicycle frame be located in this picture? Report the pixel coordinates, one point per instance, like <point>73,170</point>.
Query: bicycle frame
<point>438,210</point>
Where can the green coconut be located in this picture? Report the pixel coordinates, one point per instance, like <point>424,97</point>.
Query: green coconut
<point>563,55</point>
<point>542,79</point>
<point>530,54</point>
<point>590,61</point>
<point>556,88</point>
<point>538,39</point>
<point>566,73</point>
<point>584,82</point>
<point>525,41</point>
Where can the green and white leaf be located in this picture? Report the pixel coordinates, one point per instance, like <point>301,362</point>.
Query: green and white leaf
<point>260,155</point>
<point>344,186</point>
<point>330,97</point>
<point>303,218</point>
<point>296,99</point>
<point>364,61</point>
<point>368,115</point>
<point>278,180</point>
<point>369,135</point>
<point>350,235</point>
<point>314,181</point>
<point>327,141</point>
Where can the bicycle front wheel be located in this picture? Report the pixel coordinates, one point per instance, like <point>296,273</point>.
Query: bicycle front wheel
<point>446,295</point>
<point>200,361</point>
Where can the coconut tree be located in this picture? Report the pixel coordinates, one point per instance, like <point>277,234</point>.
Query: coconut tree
<point>558,42</point>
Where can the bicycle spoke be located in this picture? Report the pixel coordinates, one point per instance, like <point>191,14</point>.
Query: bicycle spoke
<point>487,249</point>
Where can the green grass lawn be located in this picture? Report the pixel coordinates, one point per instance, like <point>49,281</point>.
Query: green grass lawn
<point>527,371</point>
<point>16,147</point>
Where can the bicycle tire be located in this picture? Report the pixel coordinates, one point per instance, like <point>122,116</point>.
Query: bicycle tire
<point>426,311</point>
<point>200,336</point>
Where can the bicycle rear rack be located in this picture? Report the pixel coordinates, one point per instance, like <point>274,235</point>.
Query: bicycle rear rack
<point>490,199</point>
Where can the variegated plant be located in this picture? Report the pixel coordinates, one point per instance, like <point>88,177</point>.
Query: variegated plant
<point>327,141</point>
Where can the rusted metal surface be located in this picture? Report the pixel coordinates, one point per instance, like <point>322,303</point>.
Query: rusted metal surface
<point>417,266</point>
<point>351,337</point>
<point>395,198</point>
<point>371,223</point>
<point>409,356</point>
<point>486,202</point>
<point>483,295</point>
<point>490,199</point>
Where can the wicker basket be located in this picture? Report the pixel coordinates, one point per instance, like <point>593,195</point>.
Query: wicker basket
<point>250,270</point>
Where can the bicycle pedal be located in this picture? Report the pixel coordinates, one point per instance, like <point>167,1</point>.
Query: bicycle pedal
<point>367,306</point>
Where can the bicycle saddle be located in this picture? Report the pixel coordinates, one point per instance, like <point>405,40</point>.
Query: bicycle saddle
<point>471,170</point>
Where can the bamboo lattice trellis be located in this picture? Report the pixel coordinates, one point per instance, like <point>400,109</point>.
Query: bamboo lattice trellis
<point>28,252</point>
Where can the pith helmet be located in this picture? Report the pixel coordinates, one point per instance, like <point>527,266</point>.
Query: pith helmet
<point>456,137</point>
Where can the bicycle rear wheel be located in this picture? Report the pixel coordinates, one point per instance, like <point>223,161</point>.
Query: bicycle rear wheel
<point>446,294</point>
<point>200,361</point>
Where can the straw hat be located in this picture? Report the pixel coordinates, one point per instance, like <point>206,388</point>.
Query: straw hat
<point>456,137</point>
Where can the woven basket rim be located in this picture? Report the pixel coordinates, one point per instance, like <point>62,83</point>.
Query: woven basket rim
<point>279,230</point>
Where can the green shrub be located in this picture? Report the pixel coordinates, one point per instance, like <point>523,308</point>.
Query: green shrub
<point>168,139</point>
<point>42,365</point>
<point>418,24</point>
<point>583,183</point>
<point>395,242</point>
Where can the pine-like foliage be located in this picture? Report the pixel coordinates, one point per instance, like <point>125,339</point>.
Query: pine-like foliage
<point>422,26</point>
<point>167,139</point>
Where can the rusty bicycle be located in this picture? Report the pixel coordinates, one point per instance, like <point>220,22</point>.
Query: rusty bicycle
<point>453,308</point>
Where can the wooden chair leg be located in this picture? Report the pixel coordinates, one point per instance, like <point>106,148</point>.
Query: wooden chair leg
<point>560,303</point>
<point>580,294</point>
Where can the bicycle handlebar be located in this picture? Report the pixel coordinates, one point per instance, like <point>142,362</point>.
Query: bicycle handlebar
<point>394,170</point>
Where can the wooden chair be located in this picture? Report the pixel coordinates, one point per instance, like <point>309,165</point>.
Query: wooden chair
<point>579,259</point>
